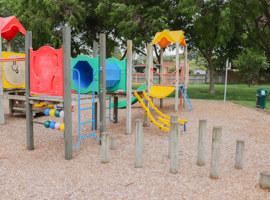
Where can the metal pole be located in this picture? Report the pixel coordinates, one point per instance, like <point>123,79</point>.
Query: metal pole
<point>227,63</point>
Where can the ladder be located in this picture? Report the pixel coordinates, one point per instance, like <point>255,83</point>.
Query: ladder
<point>184,94</point>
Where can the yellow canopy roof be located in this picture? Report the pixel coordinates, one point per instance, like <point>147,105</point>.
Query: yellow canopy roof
<point>165,38</point>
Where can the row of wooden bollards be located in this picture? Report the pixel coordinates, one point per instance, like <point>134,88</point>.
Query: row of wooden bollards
<point>173,151</point>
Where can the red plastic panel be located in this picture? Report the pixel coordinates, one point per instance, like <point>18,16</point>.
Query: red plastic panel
<point>46,71</point>
<point>10,26</point>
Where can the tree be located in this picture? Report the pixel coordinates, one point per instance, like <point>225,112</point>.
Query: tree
<point>206,28</point>
<point>249,63</point>
<point>255,18</point>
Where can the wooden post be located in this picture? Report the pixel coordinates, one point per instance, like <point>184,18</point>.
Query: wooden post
<point>150,64</point>
<point>201,142</point>
<point>138,142</point>
<point>2,115</point>
<point>239,156</point>
<point>146,122</point>
<point>29,107</point>
<point>265,180</point>
<point>177,73</point>
<point>113,143</point>
<point>175,138</point>
<point>216,143</point>
<point>104,147</point>
<point>160,76</point>
<point>95,55</point>
<point>174,119</point>
<point>102,82</point>
<point>95,49</point>
<point>129,86</point>
<point>185,72</point>
<point>115,99</point>
<point>67,92</point>
<point>10,101</point>
<point>116,53</point>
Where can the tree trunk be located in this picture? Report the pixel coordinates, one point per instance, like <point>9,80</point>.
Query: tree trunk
<point>211,69</point>
<point>212,72</point>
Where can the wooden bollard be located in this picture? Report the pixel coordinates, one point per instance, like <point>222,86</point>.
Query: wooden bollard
<point>201,142</point>
<point>138,142</point>
<point>104,147</point>
<point>113,143</point>
<point>174,119</point>
<point>175,137</point>
<point>265,180</point>
<point>239,156</point>
<point>216,143</point>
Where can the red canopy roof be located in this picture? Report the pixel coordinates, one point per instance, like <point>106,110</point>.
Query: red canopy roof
<point>9,27</point>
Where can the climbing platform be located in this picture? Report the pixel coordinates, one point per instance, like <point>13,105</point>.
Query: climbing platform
<point>186,99</point>
<point>163,119</point>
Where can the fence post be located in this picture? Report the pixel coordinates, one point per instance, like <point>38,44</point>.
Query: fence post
<point>174,119</point>
<point>138,142</point>
<point>175,137</point>
<point>239,157</point>
<point>265,180</point>
<point>201,142</point>
<point>113,143</point>
<point>104,147</point>
<point>216,143</point>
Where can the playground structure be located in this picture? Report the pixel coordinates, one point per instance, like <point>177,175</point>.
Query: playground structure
<point>51,82</point>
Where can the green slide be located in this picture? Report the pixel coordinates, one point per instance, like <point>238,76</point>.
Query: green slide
<point>123,104</point>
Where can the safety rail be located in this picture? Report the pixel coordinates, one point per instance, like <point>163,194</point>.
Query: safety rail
<point>136,79</point>
<point>164,79</point>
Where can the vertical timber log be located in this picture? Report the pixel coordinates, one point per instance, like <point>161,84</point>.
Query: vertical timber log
<point>185,72</point>
<point>139,136</point>
<point>201,142</point>
<point>102,82</point>
<point>2,115</point>
<point>29,107</point>
<point>95,55</point>
<point>175,138</point>
<point>177,76</point>
<point>160,76</point>
<point>239,156</point>
<point>129,86</point>
<point>104,147</point>
<point>113,143</point>
<point>265,180</point>
<point>174,119</point>
<point>215,160</point>
<point>146,122</point>
<point>67,91</point>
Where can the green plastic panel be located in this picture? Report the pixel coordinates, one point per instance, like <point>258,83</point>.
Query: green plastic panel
<point>123,67</point>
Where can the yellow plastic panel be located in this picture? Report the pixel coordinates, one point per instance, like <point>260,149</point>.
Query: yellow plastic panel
<point>6,84</point>
<point>160,91</point>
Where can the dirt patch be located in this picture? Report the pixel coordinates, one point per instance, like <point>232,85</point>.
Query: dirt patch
<point>44,173</point>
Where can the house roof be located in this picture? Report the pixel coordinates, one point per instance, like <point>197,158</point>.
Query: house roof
<point>9,27</point>
<point>165,38</point>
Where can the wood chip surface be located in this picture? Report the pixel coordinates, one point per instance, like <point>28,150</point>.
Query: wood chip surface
<point>43,173</point>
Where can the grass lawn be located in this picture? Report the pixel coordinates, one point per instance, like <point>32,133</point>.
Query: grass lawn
<point>240,93</point>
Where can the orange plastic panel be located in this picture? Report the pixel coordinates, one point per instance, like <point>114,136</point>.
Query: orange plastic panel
<point>46,71</point>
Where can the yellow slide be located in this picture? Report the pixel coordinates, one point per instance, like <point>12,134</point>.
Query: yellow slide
<point>164,119</point>
<point>160,91</point>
